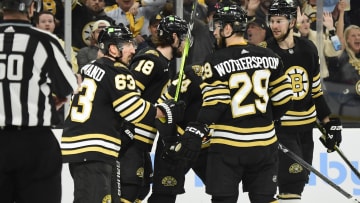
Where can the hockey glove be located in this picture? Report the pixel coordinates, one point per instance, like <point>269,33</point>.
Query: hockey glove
<point>332,135</point>
<point>168,137</point>
<point>189,145</point>
<point>174,111</point>
<point>165,129</point>
<point>127,132</point>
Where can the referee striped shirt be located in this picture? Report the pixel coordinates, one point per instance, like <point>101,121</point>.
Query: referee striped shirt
<point>33,66</point>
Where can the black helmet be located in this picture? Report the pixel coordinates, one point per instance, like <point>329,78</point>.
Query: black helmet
<point>232,14</point>
<point>115,35</point>
<point>169,25</point>
<point>287,8</point>
<point>19,5</point>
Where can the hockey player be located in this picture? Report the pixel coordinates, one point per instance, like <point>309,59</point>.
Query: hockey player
<point>152,73</point>
<point>108,96</point>
<point>169,169</point>
<point>244,89</point>
<point>301,63</point>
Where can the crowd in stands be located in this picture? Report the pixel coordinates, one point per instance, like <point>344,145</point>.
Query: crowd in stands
<point>340,45</point>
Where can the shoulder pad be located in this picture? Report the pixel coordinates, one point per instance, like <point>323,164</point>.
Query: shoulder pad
<point>263,44</point>
<point>153,52</point>
<point>118,65</point>
<point>198,70</point>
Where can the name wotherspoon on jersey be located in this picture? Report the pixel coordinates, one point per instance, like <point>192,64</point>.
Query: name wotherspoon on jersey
<point>93,71</point>
<point>245,63</point>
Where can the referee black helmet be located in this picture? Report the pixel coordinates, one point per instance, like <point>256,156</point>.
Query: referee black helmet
<point>20,5</point>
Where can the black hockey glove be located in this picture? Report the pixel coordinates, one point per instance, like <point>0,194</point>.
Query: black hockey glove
<point>168,137</point>
<point>189,145</point>
<point>174,111</point>
<point>332,135</point>
<point>127,132</point>
<point>165,129</point>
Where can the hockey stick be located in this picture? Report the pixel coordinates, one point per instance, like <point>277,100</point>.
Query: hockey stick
<point>188,43</point>
<point>338,150</point>
<point>296,158</point>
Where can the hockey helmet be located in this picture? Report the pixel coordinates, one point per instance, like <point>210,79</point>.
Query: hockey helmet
<point>116,35</point>
<point>20,5</point>
<point>233,15</point>
<point>287,8</point>
<point>169,25</point>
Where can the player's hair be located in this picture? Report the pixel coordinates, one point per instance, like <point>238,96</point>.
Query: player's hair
<point>167,26</point>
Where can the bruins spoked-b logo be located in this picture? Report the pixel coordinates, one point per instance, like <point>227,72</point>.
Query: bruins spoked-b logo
<point>295,168</point>
<point>106,199</point>
<point>299,81</point>
<point>169,181</point>
<point>140,172</point>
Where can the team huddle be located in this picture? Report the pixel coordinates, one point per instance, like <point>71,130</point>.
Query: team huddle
<point>225,122</point>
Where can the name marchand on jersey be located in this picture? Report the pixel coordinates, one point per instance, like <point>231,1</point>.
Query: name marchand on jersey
<point>246,63</point>
<point>93,71</point>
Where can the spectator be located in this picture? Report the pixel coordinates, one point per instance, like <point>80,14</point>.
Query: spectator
<point>257,31</point>
<point>347,65</point>
<point>45,20</point>
<point>304,30</point>
<point>56,7</point>
<point>83,18</point>
<point>343,85</point>
<point>92,52</point>
<point>153,24</point>
<point>135,15</point>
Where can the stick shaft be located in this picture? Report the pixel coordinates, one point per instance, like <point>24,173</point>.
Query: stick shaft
<point>342,155</point>
<point>306,165</point>
<point>186,51</point>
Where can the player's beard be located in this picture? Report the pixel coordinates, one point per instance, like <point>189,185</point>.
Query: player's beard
<point>177,52</point>
<point>281,37</point>
<point>221,42</point>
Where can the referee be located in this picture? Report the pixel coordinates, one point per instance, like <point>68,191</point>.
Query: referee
<point>33,69</point>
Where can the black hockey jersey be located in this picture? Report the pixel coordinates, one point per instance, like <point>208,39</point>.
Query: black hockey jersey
<point>242,85</point>
<point>301,64</point>
<point>190,93</point>
<point>108,95</point>
<point>152,74</point>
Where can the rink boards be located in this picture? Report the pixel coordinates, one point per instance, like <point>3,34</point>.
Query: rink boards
<point>331,165</point>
